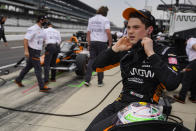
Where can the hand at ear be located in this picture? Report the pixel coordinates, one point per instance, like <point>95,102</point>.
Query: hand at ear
<point>122,44</point>
<point>147,43</point>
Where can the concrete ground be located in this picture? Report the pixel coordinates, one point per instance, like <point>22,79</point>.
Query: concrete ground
<point>87,97</point>
<point>81,99</point>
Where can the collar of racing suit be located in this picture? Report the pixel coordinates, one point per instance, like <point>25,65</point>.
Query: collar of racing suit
<point>135,53</point>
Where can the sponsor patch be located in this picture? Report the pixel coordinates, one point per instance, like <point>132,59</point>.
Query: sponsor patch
<point>136,94</point>
<point>187,69</point>
<point>143,103</point>
<point>172,60</point>
<point>174,68</point>
<point>136,80</point>
<point>171,55</point>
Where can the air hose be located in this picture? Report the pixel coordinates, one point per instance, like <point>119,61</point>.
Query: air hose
<point>6,72</point>
<point>62,115</point>
<point>3,81</point>
<point>170,117</point>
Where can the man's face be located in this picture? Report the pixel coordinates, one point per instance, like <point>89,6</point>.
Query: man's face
<point>43,22</point>
<point>136,30</point>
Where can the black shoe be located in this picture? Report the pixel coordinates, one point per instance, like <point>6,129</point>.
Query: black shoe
<point>100,84</point>
<point>44,89</point>
<point>179,99</point>
<point>52,80</point>
<point>86,83</point>
<point>46,82</point>
<point>19,84</point>
<point>193,100</point>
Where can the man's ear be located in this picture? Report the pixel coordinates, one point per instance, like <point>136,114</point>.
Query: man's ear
<point>149,30</point>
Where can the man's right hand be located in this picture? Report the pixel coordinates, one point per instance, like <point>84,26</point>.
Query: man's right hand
<point>26,50</point>
<point>123,44</point>
<point>26,53</point>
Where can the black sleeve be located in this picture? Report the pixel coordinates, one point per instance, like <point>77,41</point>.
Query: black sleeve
<point>166,69</point>
<point>107,60</point>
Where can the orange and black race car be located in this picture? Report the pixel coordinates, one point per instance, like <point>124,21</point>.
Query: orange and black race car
<point>81,35</point>
<point>73,56</point>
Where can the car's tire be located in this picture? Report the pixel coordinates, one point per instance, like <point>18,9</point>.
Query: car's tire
<point>81,63</point>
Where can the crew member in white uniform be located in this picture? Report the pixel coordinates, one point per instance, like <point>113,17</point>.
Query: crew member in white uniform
<point>189,81</point>
<point>97,36</point>
<point>125,28</point>
<point>53,40</point>
<point>33,43</point>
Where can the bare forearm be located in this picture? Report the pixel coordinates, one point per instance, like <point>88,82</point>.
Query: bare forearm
<point>109,37</point>
<point>26,45</point>
<point>194,47</point>
<point>88,37</point>
<point>110,40</point>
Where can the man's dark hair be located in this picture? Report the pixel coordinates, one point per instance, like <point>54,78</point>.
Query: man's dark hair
<point>145,21</point>
<point>49,23</point>
<point>103,10</point>
<point>41,17</point>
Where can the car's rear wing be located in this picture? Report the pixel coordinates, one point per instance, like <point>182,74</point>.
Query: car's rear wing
<point>182,25</point>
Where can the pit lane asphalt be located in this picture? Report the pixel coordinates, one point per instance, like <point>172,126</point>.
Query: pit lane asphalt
<point>29,97</point>
<point>9,55</point>
<point>12,54</point>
